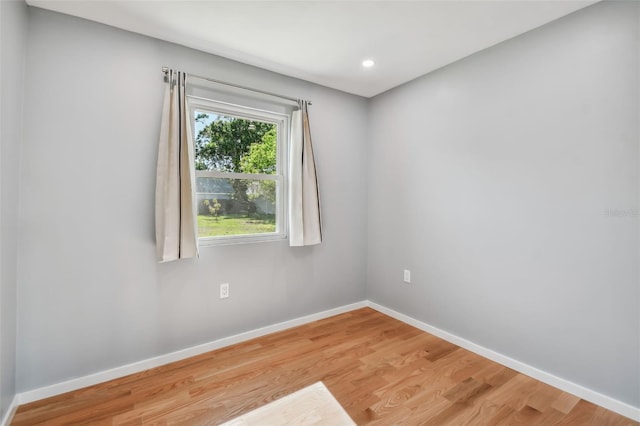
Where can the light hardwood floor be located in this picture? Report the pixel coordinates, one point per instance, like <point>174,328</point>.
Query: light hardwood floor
<point>381,370</point>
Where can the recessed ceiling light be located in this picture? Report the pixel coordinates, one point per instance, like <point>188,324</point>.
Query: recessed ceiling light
<point>368,63</point>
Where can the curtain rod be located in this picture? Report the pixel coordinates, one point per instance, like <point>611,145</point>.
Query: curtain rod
<point>165,70</point>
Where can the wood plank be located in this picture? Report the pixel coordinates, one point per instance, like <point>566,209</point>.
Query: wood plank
<point>381,370</point>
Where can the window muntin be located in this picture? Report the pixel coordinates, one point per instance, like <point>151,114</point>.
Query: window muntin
<point>239,159</point>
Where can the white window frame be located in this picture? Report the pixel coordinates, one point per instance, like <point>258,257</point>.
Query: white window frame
<point>281,121</point>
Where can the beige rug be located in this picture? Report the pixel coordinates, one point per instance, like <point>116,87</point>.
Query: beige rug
<point>313,405</point>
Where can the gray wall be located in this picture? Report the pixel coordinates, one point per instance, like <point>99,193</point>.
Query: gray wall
<point>91,294</point>
<point>13,40</point>
<point>508,183</point>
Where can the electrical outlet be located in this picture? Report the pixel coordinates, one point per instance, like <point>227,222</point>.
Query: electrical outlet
<point>224,290</point>
<point>407,276</point>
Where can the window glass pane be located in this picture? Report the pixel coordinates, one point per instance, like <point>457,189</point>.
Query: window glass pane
<point>231,144</point>
<point>235,206</point>
<point>238,158</point>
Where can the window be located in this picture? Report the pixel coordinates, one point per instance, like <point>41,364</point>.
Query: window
<point>240,155</point>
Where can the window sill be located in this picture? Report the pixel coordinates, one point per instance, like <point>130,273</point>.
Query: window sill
<point>240,239</point>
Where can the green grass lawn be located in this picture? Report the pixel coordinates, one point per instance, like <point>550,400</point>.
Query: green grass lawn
<point>209,226</point>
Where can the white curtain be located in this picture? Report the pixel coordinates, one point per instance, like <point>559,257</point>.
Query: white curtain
<point>176,226</point>
<point>305,227</point>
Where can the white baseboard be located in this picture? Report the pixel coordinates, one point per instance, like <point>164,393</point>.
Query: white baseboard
<point>114,373</point>
<point>136,367</point>
<point>587,394</point>
<point>8,416</point>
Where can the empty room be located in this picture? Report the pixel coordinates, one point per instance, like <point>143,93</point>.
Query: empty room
<point>320,212</point>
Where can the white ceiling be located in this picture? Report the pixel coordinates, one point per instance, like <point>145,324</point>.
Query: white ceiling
<point>325,41</point>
